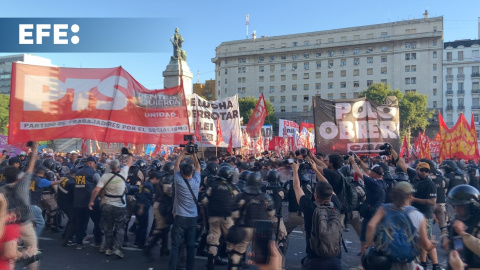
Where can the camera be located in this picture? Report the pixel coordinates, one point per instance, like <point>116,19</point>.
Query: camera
<point>386,147</point>
<point>190,146</point>
<point>350,154</point>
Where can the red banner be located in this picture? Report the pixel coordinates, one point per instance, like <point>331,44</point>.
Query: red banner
<point>404,148</point>
<point>258,117</point>
<point>280,145</point>
<point>459,141</point>
<point>435,146</point>
<point>105,104</point>
<point>422,149</point>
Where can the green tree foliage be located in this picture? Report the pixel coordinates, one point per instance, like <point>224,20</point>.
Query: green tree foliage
<point>413,106</point>
<point>247,105</point>
<point>4,113</point>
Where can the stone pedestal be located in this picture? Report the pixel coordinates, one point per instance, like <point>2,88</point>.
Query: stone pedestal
<point>175,70</point>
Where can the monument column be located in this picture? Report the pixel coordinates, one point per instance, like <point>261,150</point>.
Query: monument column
<point>178,69</point>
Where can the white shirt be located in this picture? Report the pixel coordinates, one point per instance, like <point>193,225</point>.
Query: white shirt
<point>115,187</point>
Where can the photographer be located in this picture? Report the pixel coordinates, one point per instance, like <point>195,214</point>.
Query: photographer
<point>464,235</point>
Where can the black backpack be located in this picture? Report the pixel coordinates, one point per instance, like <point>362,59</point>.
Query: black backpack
<point>349,195</point>
<point>326,233</point>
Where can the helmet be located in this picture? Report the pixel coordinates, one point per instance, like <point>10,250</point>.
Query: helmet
<point>254,182</point>
<point>58,167</point>
<point>212,167</point>
<point>203,165</point>
<point>142,164</point>
<point>49,164</point>
<point>226,172</point>
<point>224,164</point>
<point>449,166</point>
<point>461,164</point>
<point>462,195</point>
<point>168,167</point>
<point>372,260</point>
<point>167,179</point>
<point>101,168</point>
<point>243,175</point>
<point>273,176</point>
<point>157,163</point>
<point>401,176</point>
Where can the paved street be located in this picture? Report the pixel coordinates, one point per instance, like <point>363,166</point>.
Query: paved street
<point>58,257</point>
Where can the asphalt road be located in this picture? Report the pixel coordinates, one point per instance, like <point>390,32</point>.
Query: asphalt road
<point>57,257</point>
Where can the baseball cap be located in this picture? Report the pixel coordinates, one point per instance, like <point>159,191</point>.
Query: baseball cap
<point>405,187</point>
<point>91,159</point>
<point>422,165</point>
<point>377,169</point>
<point>13,160</point>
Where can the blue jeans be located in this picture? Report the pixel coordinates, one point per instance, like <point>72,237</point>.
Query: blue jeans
<point>37,220</point>
<point>184,228</point>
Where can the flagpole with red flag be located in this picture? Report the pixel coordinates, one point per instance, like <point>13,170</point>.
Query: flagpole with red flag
<point>230,143</point>
<point>219,136</point>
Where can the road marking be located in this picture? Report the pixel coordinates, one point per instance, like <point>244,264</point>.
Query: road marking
<point>45,238</point>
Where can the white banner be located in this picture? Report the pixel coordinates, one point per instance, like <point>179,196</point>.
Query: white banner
<point>267,131</point>
<point>289,127</point>
<point>228,114</point>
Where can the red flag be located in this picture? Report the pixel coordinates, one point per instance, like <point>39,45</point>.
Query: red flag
<point>219,133</point>
<point>404,150</point>
<point>258,117</point>
<point>230,143</point>
<point>198,137</point>
<point>84,146</point>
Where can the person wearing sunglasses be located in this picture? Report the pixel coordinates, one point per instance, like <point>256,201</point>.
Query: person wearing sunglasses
<point>424,200</point>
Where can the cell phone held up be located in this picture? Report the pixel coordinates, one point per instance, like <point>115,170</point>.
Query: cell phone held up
<point>262,235</point>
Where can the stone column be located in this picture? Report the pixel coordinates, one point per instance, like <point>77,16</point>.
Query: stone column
<point>175,70</point>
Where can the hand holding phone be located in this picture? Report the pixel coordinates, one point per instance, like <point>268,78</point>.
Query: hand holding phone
<point>262,235</point>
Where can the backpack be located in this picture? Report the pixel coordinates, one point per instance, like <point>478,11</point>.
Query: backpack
<point>325,236</point>
<point>349,195</point>
<point>396,237</point>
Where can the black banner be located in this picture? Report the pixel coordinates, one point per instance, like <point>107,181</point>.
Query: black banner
<point>357,125</point>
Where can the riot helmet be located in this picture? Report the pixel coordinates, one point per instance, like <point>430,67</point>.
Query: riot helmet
<point>168,167</point>
<point>464,196</point>
<point>157,163</point>
<point>212,167</point>
<point>226,172</point>
<point>449,166</point>
<point>254,183</point>
<point>142,164</point>
<point>101,168</point>
<point>243,176</point>
<point>273,176</point>
<point>49,164</point>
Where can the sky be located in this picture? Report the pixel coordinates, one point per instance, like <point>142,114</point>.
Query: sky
<point>206,24</point>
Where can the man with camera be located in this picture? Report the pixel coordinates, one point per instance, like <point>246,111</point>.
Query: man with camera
<point>424,199</point>
<point>186,187</point>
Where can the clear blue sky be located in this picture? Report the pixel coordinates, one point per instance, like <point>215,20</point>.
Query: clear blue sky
<point>205,24</point>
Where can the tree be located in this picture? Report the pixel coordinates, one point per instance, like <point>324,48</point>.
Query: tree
<point>4,113</point>
<point>247,105</point>
<point>413,106</point>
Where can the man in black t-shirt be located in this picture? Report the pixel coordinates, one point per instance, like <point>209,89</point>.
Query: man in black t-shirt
<point>424,200</point>
<point>323,194</point>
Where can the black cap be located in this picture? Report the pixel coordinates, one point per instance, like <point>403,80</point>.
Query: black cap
<point>377,169</point>
<point>91,159</point>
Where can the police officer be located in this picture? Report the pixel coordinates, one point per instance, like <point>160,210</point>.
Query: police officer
<point>144,199</point>
<point>101,169</point>
<point>157,165</point>
<point>86,180</point>
<point>454,175</point>
<point>295,216</point>
<point>135,178</point>
<point>464,234</point>
<point>65,202</point>
<point>208,175</point>
<point>275,190</point>
<point>242,180</point>
<point>219,198</point>
<point>48,201</point>
<point>162,211</point>
<point>142,165</point>
<point>252,205</point>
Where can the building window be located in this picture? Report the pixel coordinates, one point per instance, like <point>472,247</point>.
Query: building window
<point>272,68</point>
<point>413,68</point>
<point>283,77</point>
<point>283,67</point>
<point>369,71</point>
<point>434,91</point>
<point>330,40</point>
<point>460,86</point>
<point>384,48</point>
<point>294,56</point>
<point>343,73</point>
<point>330,63</point>
<point>356,61</point>
<point>356,84</point>
<point>260,89</point>
<point>283,88</point>
<point>383,58</point>
<point>318,86</point>
<point>434,54</point>
<point>282,99</point>
<point>242,79</point>
<point>383,81</point>
<point>407,56</point>
<point>383,34</point>
<point>283,57</point>
<point>449,56</point>
<point>330,96</point>
<point>226,82</point>
<point>294,66</point>
<point>319,64</point>
<point>261,79</point>
<point>434,67</point>
<point>294,77</point>
<point>434,79</point>
<point>226,61</point>
<point>306,75</point>
<point>343,84</point>
<point>460,55</point>
<point>306,43</point>
<point>407,45</point>
<point>242,60</point>
<point>294,98</point>
<point>261,59</point>
<point>242,69</point>
<point>306,87</point>
<point>330,85</point>
<point>331,53</point>
<point>294,108</point>
<point>413,80</point>
<point>449,86</point>
<point>272,99</point>
<point>272,89</point>
<point>306,98</point>
<point>294,87</point>
<point>226,90</point>
<point>305,108</point>
<point>370,60</point>
<point>343,95</point>
<point>407,80</point>
<point>343,52</point>
<point>407,68</point>
<point>272,58</point>
<point>356,72</point>
<point>282,108</point>
<point>369,49</point>
<point>383,70</point>
<point>369,82</point>
<point>330,74</point>
<point>356,51</point>
<point>272,78</point>
<point>261,68</point>
<point>434,43</point>
<point>306,55</point>
<point>318,75</point>
<point>343,62</point>
<point>434,104</point>
<point>294,44</point>
<point>318,54</point>
<point>306,66</point>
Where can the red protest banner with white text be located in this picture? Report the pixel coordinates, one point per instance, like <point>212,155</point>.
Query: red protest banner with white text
<point>258,117</point>
<point>103,104</point>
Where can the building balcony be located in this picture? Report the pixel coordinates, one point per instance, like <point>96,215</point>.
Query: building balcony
<point>475,107</point>
<point>475,91</point>
<point>461,92</point>
<point>449,108</point>
<point>460,77</point>
<point>449,77</point>
<point>461,107</point>
<point>449,92</point>
<point>476,75</point>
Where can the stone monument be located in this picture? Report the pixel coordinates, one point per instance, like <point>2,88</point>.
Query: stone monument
<point>178,69</point>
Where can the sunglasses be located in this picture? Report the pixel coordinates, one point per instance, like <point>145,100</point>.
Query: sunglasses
<point>424,170</point>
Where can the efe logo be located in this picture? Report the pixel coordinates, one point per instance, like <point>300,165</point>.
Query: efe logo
<point>60,33</point>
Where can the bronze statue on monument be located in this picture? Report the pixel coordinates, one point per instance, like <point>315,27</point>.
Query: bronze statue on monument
<point>177,41</point>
